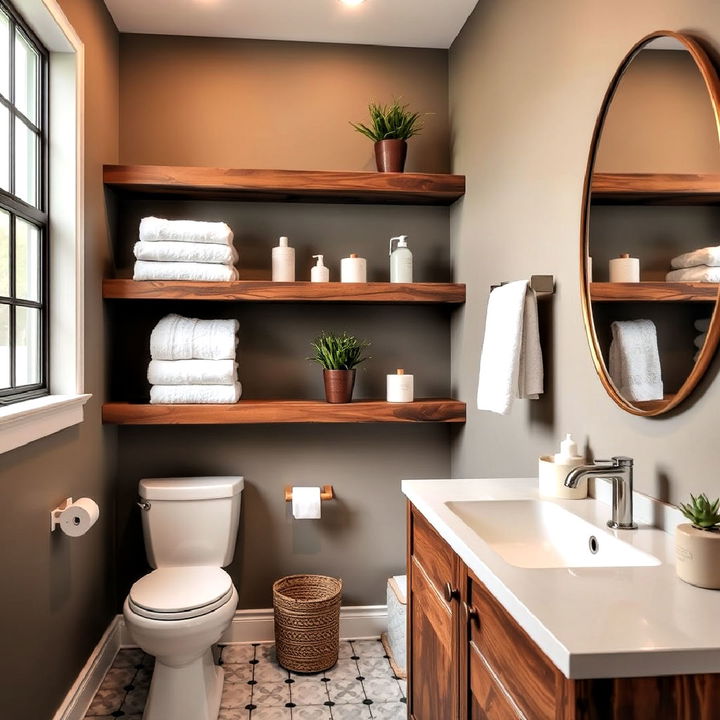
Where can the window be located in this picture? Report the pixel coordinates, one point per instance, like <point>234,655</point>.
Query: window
<point>23,211</point>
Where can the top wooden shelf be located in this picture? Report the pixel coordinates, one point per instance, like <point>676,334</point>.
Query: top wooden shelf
<point>655,189</point>
<point>653,292</point>
<point>287,185</point>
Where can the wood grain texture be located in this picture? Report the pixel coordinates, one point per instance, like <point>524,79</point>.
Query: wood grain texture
<point>268,291</point>
<point>654,292</point>
<point>655,188</point>
<point>433,554</point>
<point>488,698</point>
<point>285,411</point>
<point>287,185</point>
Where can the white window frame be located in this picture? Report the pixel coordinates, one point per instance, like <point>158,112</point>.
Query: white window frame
<point>30,420</point>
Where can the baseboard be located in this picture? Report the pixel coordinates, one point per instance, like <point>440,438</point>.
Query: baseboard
<point>80,695</point>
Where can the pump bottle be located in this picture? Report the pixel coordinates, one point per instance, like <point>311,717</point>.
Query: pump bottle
<point>401,261</point>
<point>319,273</point>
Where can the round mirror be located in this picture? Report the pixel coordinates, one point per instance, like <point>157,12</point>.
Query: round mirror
<point>650,253</point>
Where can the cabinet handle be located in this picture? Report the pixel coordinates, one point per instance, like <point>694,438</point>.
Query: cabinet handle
<point>449,593</point>
<point>472,614</point>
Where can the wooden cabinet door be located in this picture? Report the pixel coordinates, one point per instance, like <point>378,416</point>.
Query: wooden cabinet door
<point>434,689</point>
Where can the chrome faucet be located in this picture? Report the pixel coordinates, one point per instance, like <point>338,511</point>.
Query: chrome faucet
<point>620,471</point>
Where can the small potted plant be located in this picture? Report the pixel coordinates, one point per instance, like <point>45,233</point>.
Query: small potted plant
<point>390,128</point>
<point>697,544</point>
<point>339,355</point>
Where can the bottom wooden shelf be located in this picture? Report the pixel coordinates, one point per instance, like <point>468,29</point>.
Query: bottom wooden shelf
<point>285,411</point>
<point>653,404</point>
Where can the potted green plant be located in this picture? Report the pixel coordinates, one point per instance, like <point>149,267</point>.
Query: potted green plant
<point>391,126</point>
<point>338,355</point>
<point>697,543</point>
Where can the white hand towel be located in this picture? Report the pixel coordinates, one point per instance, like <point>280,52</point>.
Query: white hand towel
<point>700,340</point>
<point>195,394</point>
<point>198,272</point>
<point>153,229</point>
<point>180,338</point>
<point>700,273</point>
<point>702,325</point>
<point>511,364</point>
<point>185,252</point>
<point>192,372</point>
<point>704,256</point>
<point>635,361</point>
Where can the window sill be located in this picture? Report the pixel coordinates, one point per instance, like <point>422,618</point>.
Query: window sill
<point>31,420</point>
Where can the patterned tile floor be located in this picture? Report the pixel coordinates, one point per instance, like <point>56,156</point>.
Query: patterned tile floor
<point>361,686</point>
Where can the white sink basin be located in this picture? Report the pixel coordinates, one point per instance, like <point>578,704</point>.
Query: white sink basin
<point>540,534</point>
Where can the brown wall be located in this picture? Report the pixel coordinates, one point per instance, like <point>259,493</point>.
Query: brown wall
<point>57,594</point>
<point>287,105</point>
<point>526,83</point>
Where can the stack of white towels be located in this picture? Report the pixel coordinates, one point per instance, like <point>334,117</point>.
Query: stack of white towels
<point>193,361</point>
<point>697,266</point>
<point>185,250</point>
<point>702,326</point>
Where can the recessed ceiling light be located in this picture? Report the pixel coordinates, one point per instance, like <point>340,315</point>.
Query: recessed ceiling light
<point>352,3</point>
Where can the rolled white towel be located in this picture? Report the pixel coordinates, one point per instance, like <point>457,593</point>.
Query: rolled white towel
<point>195,394</point>
<point>700,273</point>
<point>704,256</point>
<point>192,372</point>
<point>197,272</point>
<point>635,360</point>
<point>702,325</point>
<point>700,340</point>
<point>153,229</point>
<point>180,338</point>
<point>185,252</point>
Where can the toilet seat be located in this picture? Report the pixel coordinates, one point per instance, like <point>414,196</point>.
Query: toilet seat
<point>179,593</point>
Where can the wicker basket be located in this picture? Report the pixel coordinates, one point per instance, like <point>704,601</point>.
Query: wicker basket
<point>307,622</point>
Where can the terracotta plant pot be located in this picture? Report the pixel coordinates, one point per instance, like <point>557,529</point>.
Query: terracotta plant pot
<point>390,155</point>
<point>697,554</point>
<point>339,385</point>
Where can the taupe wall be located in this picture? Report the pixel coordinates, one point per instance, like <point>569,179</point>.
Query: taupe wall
<point>287,105</point>
<point>526,83</point>
<point>57,594</point>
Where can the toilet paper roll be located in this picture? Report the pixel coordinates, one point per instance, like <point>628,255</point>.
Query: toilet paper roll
<point>306,503</point>
<point>78,518</point>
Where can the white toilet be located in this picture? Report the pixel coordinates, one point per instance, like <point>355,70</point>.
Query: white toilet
<point>180,609</point>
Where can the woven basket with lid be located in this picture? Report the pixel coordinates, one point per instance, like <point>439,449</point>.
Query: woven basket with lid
<point>307,622</point>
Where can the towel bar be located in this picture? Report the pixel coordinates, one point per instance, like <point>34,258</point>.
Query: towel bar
<point>326,493</point>
<point>541,284</point>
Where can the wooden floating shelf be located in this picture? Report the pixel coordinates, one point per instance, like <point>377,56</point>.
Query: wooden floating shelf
<point>432,410</point>
<point>267,291</point>
<point>655,189</point>
<point>653,404</point>
<point>287,185</point>
<point>654,292</point>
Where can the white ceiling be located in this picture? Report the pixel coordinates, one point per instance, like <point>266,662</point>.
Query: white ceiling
<point>406,23</point>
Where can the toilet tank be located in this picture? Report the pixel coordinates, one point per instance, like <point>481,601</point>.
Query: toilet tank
<point>190,520</point>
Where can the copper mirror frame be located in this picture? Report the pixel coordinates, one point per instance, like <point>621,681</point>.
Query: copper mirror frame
<point>712,84</point>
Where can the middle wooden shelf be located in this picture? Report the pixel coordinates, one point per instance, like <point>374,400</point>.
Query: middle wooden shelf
<point>653,292</point>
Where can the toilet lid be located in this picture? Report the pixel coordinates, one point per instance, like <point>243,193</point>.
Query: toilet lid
<point>181,589</point>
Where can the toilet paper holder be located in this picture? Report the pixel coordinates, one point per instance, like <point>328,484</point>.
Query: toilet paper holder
<point>57,512</point>
<point>326,493</point>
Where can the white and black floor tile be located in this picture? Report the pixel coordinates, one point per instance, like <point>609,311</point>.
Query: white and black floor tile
<point>362,686</point>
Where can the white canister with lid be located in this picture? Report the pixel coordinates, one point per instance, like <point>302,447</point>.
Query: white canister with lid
<point>625,269</point>
<point>353,269</point>
<point>400,387</point>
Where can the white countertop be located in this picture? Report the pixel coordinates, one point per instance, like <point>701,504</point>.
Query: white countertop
<point>591,622</point>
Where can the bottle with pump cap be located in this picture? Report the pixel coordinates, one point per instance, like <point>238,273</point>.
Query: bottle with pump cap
<point>319,273</point>
<point>401,261</point>
<point>283,262</point>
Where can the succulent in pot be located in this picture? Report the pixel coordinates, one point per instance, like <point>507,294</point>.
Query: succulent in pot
<point>697,543</point>
<point>391,126</point>
<point>338,355</point>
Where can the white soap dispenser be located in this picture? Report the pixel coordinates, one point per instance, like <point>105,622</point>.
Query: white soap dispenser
<point>283,262</point>
<point>401,261</point>
<point>568,454</point>
<point>319,273</point>
<point>553,469</point>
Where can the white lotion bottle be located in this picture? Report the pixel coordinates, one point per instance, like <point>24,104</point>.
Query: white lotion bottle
<point>319,273</point>
<point>353,269</point>
<point>401,261</point>
<point>400,387</point>
<point>283,262</point>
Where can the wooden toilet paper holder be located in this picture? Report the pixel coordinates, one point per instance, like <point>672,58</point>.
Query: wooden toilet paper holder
<point>326,493</point>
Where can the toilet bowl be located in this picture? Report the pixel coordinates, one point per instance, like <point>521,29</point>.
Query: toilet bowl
<point>177,614</point>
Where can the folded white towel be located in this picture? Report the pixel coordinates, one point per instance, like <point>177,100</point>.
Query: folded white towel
<point>702,325</point>
<point>635,361</point>
<point>199,272</point>
<point>699,273</point>
<point>704,256</point>
<point>511,364</point>
<point>700,340</point>
<point>180,338</point>
<point>192,372</point>
<point>195,394</point>
<point>153,229</point>
<point>185,252</point>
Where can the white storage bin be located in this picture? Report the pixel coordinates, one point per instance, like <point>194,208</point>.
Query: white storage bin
<point>397,623</point>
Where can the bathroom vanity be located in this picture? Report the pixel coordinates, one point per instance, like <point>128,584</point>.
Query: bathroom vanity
<point>559,618</point>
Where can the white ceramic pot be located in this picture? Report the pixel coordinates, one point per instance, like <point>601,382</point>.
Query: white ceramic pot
<point>697,554</point>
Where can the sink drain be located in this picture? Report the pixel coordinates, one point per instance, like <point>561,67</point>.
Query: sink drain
<point>593,544</point>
